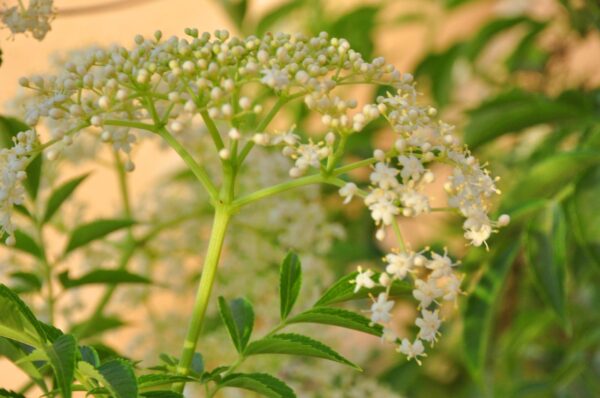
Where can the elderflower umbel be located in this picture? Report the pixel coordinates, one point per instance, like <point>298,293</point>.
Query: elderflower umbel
<point>34,19</point>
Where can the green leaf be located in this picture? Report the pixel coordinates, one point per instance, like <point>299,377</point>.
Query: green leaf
<point>157,380</point>
<point>361,40</point>
<point>236,9</point>
<point>546,254</point>
<point>276,15</point>
<point>290,281</point>
<point>490,31</point>
<point>161,394</point>
<point>261,383</point>
<point>295,344</point>
<point>119,379</point>
<point>89,355</point>
<point>10,394</point>
<point>100,325</point>
<point>586,213</point>
<point>526,109</point>
<point>9,128</point>
<point>337,317</point>
<point>25,282</point>
<point>94,230</point>
<point>17,322</point>
<point>481,304</point>
<point>549,176</point>
<point>102,276</point>
<point>438,67</point>
<point>25,243</point>
<point>238,317</point>
<point>15,353</point>
<point>60,195</point>
<point>343,290</point>
<point>61,355</point>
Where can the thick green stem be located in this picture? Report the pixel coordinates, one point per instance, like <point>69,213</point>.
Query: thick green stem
<point>211,262</point>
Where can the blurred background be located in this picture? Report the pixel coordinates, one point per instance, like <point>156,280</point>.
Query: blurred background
<point>520,81</point>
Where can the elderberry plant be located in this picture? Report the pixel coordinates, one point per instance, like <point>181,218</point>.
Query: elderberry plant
<point>237,87</point>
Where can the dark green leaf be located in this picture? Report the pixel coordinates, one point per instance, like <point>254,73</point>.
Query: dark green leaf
<point>238,317</point>
<point>62,193</point>
<point>438,67</point>
<point>17,322</point>
<point>361,40</point>
<point>25,243</point>
<point>119,379</point>
<point>481,304</point>
<point>61,356</point>
<point>489,121</point>
<point>161,394</point>
<point>100,325</point>
<point>276,15</point>
<point>586,213</point>
<point>102,276</point>
<point>489,31</point>
<point>25,282</point>
<point>337,317</point>
<point>261,383</point>
<point>295,344</point>
<point>89,355</point>
<point>528,55</point>
<point>290,281</point>
<point>94,230</point>
<point>343,290</point>
<point>9,394</point>
<point>546,255</point>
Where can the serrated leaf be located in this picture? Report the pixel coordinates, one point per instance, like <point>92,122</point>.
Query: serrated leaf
<point>343,290</point>
<point>25,243</point>
<point>290,281</point>
<point>295,344</point>
<point>60,195</point>
<point>94,230</point>
<point>15,353</point>
<point>238,317</point>
<point>89,355</point>
<point>337,317</point>
<point>17,322</point>
<point>261,383</point>
<point>157,380</point>
<point>61,355</point>
<point>481,304</point>
<point>118,377</point>
<point>103,277</point>
<point>546,255</point>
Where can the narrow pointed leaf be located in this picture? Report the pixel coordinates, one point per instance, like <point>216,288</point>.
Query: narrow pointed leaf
<point>102,276</point>
<point>61,356</point>
<point>238,317</point>
<point>25,243</point>
<point>60,195</point>
<point>585,215</point>
<point>343,290</point>
<point>157,380</point>
<point>295,344</point>
<point>290,281</point>
<point>10,394</point>
<point>480,307</point>
<point>338,317</point>
<point>546,255</point>
<point>17,322</point>
<point>94,230</point>
<point>261,383</point>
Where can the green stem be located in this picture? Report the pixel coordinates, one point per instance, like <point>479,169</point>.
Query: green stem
<point>198,170</point>
<point>213,130</point>
<point>396,228</point>
<point>211,262</point>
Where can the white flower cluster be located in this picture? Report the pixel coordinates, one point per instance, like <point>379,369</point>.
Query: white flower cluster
<point>35,18</point>
<point>13,162</point>
<point>434,281</point>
